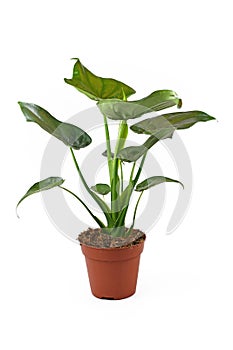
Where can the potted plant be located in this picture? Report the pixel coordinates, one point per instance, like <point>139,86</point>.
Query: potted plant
<point>112,251</point>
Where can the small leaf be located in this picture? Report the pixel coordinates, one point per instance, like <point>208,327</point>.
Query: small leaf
<point>179,120</point>
<point>105,154</point>
<point>133,153</point>
<point>95,87</point>
<point>42,185</point>
<point>70,134</point>
<point>102,189</point>
<point>124,110</point>
<point>153,181</point>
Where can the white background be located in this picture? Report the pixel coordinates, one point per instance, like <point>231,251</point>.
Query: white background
<point>185,287</point>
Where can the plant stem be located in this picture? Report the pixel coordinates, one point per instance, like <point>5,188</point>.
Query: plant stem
<point>108,146</point>
<point>99,201</point>
<point>132,183</point>
<point>122,135</point>
<point>132,172</point>
<point>122,177</point>
<point>99,222</point>
<point>139,170</point>
<point>134,214</point>
<point>130,188</point>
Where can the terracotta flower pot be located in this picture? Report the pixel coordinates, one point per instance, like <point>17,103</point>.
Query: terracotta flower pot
<point>113,272</point>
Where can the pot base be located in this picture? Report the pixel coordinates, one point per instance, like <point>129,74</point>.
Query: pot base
<point>118,298</point>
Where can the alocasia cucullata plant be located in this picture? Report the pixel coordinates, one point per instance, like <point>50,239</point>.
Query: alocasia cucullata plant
<point>112,100</point>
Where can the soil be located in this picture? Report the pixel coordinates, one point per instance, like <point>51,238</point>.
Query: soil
<point>96,238</point>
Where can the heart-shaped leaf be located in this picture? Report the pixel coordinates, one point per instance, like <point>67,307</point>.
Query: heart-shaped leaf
<point>124,110</point>
<point>133,153</point>
<point>102,189</point>
<point>153,181</point>
<point>178,120</point>
<point>42,185</point>
<point>95,87</point>
<point>70,134</point>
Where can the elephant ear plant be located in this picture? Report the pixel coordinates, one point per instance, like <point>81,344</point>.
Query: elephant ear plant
<point>111,97</point>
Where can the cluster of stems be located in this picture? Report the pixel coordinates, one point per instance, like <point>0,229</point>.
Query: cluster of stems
<point>120,197</point>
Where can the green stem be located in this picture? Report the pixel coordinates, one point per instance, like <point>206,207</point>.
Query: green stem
<point>122,135</point>
<point>132,172</point>
<point>122,177</point>
<point>121,218</point>
<point>99,201</point>
<point>132,183</point>
<point>99,222</point>
<point>134,214</point>
<point>108,146</point>
<point>139,170</point>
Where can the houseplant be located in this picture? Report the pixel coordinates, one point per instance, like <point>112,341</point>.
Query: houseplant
<point>113,251</point>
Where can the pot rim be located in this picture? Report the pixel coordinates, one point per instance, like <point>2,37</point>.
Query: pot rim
<point>114,248</point>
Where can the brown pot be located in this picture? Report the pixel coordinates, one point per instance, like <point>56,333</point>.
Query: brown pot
<point>113,272</point>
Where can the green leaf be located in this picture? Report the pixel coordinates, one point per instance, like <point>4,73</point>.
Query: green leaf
<point>70,134</point>
<point>102,189</point>
<point>43,185</point>
<point>105,154</point>
<point>153,181</point>
<point>178,120</point>
<point>133,153</point>
<point>124,110</point>
<point>95,87</point>
<point>159,128</point>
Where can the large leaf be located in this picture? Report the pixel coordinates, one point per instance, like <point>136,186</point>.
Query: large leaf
<point>42,185</point>
<point>70,134</point>
<point>124,110</point>
<point>102,189</point>
<point>133,153</point>
<point>153,181</point>
<point>95,87</point>
<point>178,120</point>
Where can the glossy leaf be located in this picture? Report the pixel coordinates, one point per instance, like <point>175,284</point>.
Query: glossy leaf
<point>124,110</point>
<point>153,181</point>
<point>102,189</point>
<point>95,87</point>
<point>70,134</point>
<point>42,185</point>
<point>133,153</point>
<point>179,120</point>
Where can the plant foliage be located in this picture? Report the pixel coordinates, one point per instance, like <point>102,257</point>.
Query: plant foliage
<point>112,100</point>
